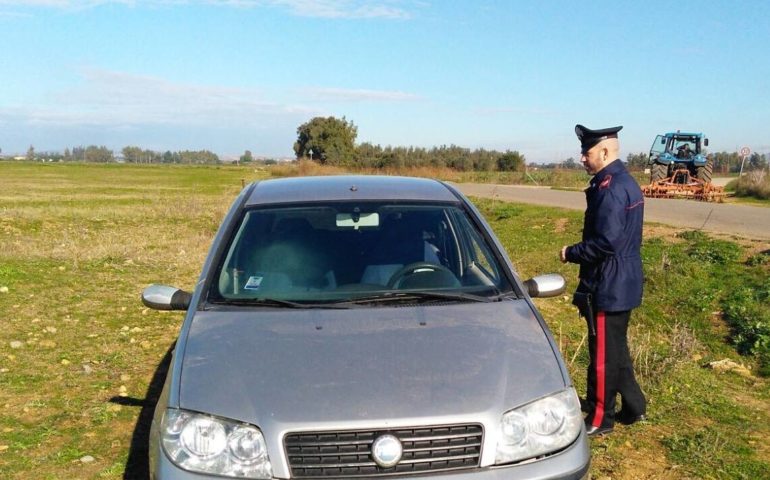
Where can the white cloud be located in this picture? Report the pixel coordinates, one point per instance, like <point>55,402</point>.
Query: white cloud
<point>63,3</point>
<point>359,95</point>
<point>342,9</point>
<point>114,99</point>
<point>118,108</point>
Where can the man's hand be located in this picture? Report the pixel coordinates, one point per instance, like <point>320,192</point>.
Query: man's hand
<point>563,254</point>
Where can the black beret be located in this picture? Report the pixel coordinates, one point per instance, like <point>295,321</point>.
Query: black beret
<point>588,138</point>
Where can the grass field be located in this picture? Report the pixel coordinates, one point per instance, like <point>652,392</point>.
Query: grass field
<point>79,354</point>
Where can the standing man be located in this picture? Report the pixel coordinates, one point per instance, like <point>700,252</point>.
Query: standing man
<point>610,279</point>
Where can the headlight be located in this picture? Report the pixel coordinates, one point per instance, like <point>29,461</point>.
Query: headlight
<point>540,427</point>
<point>206,444</point>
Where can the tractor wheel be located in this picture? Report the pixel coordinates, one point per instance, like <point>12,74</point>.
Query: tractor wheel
<point>658,172</point>
<point>704,172</point>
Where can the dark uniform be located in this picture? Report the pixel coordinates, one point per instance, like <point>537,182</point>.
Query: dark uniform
<point>610,286</point>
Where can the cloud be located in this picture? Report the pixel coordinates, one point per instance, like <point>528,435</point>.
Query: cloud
<point>119,99</point>
<point>113,98</point>
<point>69,4</point>
<point>358,95</point>
<point>341,8</point>
<point>333,9</point>
<point>118,108</point>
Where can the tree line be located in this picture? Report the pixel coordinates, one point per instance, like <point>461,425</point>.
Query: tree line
<point>138,155</point>
<point>332,141</point>
<point>130,154</point>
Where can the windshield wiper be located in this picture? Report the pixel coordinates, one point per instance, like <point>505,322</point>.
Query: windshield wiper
<point>503,295</point>
<point>430,295</point>
<point>276,302</point>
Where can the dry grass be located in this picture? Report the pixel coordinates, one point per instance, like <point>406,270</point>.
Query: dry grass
<point>651,361</point>
<point>754,184</point>
<point>310,168</point>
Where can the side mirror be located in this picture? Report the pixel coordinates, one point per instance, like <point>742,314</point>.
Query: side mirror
<point>705,142</point>
<point>163,297</point>
<point>543,286</point>
<point>663,141</point>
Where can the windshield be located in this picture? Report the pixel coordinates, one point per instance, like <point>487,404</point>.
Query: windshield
<point>364,252</point>
<point>683,146</point>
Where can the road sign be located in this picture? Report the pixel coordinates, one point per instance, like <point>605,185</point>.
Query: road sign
<point>745,151</point>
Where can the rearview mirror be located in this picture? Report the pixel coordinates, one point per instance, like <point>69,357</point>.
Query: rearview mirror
<point>355,220</point>
<point>542,286</point>
<point>163,297</point>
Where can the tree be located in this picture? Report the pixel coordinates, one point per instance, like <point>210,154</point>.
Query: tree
<point>31,153</point>
<point>78,153</point>
<point>201,157</point>
<point>132,154</point>
<point>327,140</point>
<point>510,161</point>
<point>756,162</point>
<point>483,160</point>
<point>246,157</point>
<point>138,155</point>
<point>98,154</point>
<point>637,160</point>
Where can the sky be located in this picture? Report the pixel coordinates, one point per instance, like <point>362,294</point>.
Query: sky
<point>236,75</point>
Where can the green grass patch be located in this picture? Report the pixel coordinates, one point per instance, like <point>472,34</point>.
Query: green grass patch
<point>710,453</point>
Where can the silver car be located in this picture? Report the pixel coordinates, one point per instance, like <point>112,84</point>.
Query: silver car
<point>363,327</point>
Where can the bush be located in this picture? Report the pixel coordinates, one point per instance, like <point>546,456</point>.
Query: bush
<point>755,184</point>
<point>746,311</point>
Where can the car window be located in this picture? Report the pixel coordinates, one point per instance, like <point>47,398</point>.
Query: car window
<point>344,251</point>
<point>480,260</point>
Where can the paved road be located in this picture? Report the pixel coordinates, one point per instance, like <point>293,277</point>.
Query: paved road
<point>721,181</point>
<point>741,220</point>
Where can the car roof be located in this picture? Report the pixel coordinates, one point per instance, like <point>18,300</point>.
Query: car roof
<point>347,188</point>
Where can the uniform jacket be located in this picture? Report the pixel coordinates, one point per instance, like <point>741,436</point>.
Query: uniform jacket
<point>609,258</point>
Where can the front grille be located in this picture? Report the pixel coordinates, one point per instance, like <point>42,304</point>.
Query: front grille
<point>348,453</point>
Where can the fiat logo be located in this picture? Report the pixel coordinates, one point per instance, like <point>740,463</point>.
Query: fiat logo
<point>387,451</point>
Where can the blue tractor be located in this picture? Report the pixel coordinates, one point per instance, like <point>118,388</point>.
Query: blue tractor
<point>677,151</point>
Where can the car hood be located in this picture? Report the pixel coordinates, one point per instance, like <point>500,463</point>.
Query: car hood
<point>385,365</point>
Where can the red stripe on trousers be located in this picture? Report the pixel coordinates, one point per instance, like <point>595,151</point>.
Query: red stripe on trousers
<point>600,377</point>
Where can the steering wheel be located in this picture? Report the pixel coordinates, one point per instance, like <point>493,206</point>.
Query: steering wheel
<point>413,268</point>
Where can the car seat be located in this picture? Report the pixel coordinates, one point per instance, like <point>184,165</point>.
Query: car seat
<point>401,243</point>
